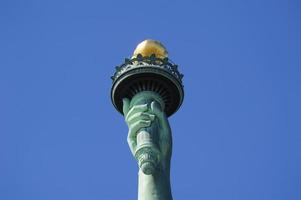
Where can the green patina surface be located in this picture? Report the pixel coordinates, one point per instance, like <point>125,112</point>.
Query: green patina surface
<point>150,142</point>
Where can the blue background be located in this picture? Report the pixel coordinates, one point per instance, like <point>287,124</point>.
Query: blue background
<point>236,137</point>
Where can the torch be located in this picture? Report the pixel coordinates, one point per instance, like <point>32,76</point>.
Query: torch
<point>149,76</point>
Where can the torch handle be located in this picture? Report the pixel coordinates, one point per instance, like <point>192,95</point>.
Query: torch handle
<point>147,153</point>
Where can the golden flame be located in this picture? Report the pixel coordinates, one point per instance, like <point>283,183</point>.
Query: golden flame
<point>149,47</point>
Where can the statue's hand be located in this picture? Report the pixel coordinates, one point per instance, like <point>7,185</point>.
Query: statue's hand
<point>142,116</point>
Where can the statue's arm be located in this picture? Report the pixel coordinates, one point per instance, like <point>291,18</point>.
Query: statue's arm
<point>155,186</point>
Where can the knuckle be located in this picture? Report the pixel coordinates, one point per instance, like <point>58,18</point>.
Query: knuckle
<point>142,122</point>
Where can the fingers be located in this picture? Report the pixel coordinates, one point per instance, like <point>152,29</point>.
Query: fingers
<point>157,110</point>
<point>136,122</point>
<point>140,116</point>
<point>137,118</point>
<point>126,106</point>
<point>134,109</point>
<point>162,119</point>
<point>136,126</point>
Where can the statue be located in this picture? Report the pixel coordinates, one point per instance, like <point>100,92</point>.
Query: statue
<point>146,98</point>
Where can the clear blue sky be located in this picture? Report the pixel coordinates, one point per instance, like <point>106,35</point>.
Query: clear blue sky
<point>236,137</point>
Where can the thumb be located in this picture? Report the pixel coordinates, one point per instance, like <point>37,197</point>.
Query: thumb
<point>156,108</point>
<point>158,111</point>
<point>126,106</point>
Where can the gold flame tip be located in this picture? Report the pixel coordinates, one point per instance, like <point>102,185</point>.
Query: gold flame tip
<point>149,47</point>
